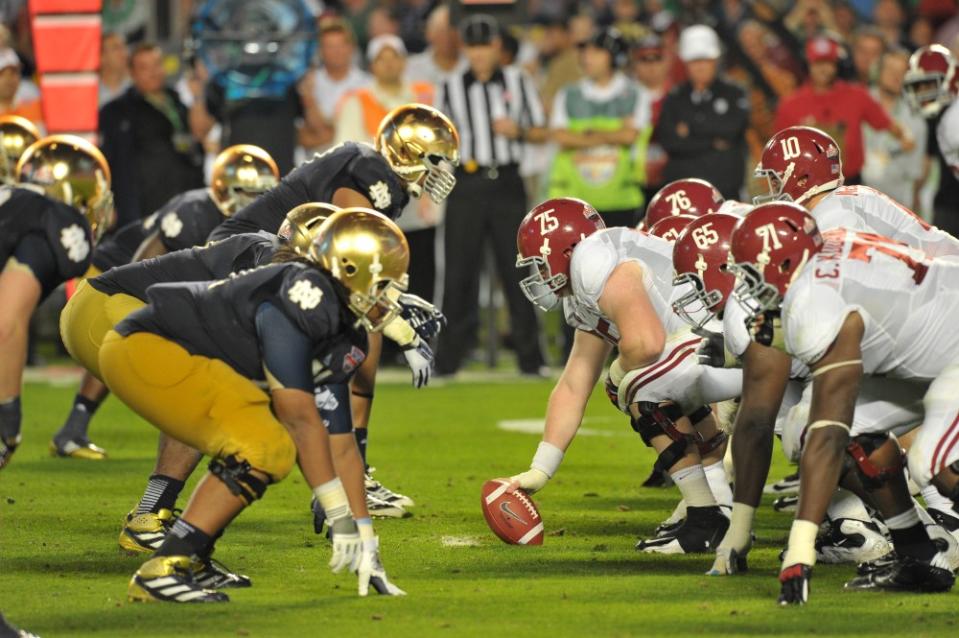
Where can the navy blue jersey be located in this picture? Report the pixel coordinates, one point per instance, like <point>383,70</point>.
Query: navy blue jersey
<point>213,261</point>
<point>349,165</point>
<point>188,219</point>
<point>118,248</point>
<point>291,313</point>
<point>62,228</point>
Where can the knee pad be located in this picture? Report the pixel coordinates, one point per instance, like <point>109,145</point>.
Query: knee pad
<point>699,414</point>
<point>705,447</point>
<point>10,418</point>
<point>655,420</point>
<point>860,449</point>
<point>237,475</point>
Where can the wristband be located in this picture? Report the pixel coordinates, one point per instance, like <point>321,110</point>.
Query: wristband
<point>547,459</point>
<point>802,544</point>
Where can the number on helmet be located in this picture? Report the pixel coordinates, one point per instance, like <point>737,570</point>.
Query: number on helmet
<point>705,236</point>
<point>678,201</point>
<point>770,237</point>
<point>547,222</point>
<point>790,147</point>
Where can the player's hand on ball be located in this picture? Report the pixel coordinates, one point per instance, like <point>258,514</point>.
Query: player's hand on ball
<point>795,584</point>
<point>347,551</point>
<point>371,572</point>
<point>532,480</point>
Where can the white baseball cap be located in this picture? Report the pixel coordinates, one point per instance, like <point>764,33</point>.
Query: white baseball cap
<point>8,57</point>
<point>698,42</point>
<point>385,41</point>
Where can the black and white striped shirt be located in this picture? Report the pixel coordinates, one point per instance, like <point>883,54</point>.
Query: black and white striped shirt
<point>474,105</point>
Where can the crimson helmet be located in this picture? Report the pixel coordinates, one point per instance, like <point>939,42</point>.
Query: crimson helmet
<point>545,242</point>
<point>669,227</point>
<point>932,80</point>
<point>769,247</point>
<point>799,162</point>
<point>682,197</point>
<point>700,258</point>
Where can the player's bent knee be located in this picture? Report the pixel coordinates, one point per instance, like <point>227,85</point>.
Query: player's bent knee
<point>656,420</point>
<point>240,478</point>
<point>875,457</point>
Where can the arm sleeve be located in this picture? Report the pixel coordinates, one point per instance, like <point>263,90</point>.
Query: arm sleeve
<point>285,350</point>
<point>333,402</point>
<point>310,303</point>
<point>812,319</point>
<point>182,227</point>
<point>382,188</point>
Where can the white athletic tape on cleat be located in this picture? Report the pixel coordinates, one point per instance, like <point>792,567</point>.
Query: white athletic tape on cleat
<point>156,583</point>
<point>176,589</point>
<point>191,595</point>
<point>495,494</point>
<point>531,534</point>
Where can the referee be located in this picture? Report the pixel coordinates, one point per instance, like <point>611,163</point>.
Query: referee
<point>496,110</point>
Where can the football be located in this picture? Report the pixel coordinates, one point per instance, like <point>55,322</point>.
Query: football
<point>512,517</point>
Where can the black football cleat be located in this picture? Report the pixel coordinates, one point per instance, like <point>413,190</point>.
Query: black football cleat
<point>795,581</point>
<point>212,574</point>
<point>906,574</point>
<point>170,579</point>
<point>701,532</point>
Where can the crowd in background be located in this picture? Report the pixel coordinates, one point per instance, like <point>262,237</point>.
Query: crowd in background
<point>626,95</point>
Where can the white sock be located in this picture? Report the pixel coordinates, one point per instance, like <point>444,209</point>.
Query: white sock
<point>903,521</point>
<point>718,483</point>
<point>694,487</point>
<point>937,501</point>
<point>922,513</point>
<point>845,504</point>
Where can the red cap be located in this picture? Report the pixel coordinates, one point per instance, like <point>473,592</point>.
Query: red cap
<point>822,49</point>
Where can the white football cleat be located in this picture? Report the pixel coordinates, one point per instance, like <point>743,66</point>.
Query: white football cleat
<point>377,490</point>
<point>847,540</point>
<point>948,556</point>
<point>785,485</point>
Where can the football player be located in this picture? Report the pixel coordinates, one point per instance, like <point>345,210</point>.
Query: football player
<point>931,86</point>
<point>16,135</point>
<point>803,165</point>
<point>48,227</point>
<point>700,257</point>
<point>615,286</point>
<point>414,152</point>
<point>276,324</point>
<point>849,304</point>
<point>239,174</point>
<point>692,196</point>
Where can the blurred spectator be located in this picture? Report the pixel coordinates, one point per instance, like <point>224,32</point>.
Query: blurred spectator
<point>809,18</point>
<point>888,168</point>
<point>337,77</point>
<point>557,57</point>
<point>868,45</point>
<point>596,122</point>
<point>12,100</point>
<point>381,21</point>
<point>703,121</point>
<point>652,71</point>
<point>127,18</point>
<point>837,107</point>
<point>921,32</point>
<point>496,111</point>
<point>412,17</point>
<point>442,57</point>
<point>846,20</point>
<point>145,136</point>
<point>359,118</point>
<point>357,14</point>
<point>114,67</point>
<point>889,16</point>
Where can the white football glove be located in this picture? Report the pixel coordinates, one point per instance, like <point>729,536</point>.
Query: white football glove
<point>347,546</point>
<point>370,571</point>
<point>545,464</point>
<point>419,357</point>
<point>733,549</point>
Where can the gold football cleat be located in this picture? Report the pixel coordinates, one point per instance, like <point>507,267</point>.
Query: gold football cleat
<point>78,449</point>
<point>170,579</point>
<point>144,533</point>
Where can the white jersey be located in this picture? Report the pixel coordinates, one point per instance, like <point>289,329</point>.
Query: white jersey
<point>906,300</point>
<point>947,135</point>
<point>866,209</point>
<point>737,337</point>
<point>594,260</point>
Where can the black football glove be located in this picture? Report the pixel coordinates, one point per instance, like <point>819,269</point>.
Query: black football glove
<point>425,318</point>
<point>712,350</point>
<point>795,584</point>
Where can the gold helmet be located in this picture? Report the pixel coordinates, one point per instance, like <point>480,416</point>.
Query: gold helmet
<point>422,146</point>
<point>16,134</point>
<point>240,174</point>
<point>369,255</point>
<point>301,223</point>
<point>72,170</point>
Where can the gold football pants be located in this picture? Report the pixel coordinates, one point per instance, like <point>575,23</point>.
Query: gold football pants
<point>87,318</point>
<point>200,401</point>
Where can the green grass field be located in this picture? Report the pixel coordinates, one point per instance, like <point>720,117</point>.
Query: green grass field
<point>62,575</point>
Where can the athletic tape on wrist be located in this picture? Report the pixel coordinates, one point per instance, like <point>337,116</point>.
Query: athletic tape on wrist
<point>833,366</point>
<point>547,458</point>
<point>825,423</point>
<point>802,544</point>
<point>740,527</point>
<point>332,498</point>
<point>399,331</point>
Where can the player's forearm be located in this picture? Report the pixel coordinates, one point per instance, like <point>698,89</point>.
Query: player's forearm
<point>564,413</point>
<point>312,448</point>
<point>348,465</point>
